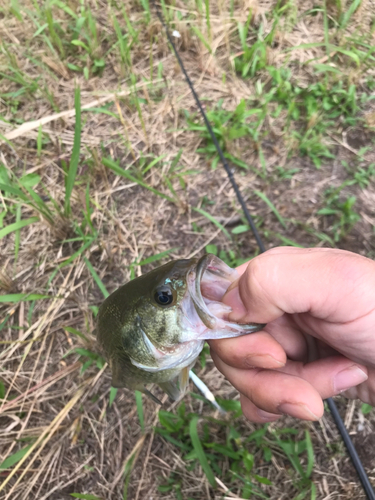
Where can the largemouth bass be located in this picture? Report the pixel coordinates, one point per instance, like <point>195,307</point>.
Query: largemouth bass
<point>153,328</point>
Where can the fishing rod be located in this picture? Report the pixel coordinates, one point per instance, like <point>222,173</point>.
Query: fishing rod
<point>331,404</point>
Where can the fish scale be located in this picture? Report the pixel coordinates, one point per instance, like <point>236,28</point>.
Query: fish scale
<point>153,328</point>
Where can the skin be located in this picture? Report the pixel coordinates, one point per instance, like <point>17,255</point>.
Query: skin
<point>319,340</point>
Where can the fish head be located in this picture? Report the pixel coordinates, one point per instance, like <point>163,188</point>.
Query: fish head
<point>139,325</point>
<point>154,326</point>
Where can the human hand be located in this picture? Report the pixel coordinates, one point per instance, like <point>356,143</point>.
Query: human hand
<point>319,306</point>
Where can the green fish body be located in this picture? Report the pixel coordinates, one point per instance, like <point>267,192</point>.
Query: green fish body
<point>153,328</point>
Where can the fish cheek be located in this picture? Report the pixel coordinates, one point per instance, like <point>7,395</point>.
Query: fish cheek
<point>160,324</point>
<point>133,344</point>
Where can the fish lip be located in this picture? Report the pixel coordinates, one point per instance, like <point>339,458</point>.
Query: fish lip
<point>189,351</point>
<point>194,283</point>
<point>194,278</point>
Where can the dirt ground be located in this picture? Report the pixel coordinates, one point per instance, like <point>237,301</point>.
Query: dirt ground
<point>80,443</point>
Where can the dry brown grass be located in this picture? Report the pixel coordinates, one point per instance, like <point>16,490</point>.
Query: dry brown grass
<point>80,443</point>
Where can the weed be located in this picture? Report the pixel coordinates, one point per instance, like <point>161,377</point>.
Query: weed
<point>197,444</point>
<point>115,167</point>
<point>318,105</point>
<point>341,209</point>
<point>230,257</point>
<point>254,57</point>
<point>311,144</point>
<point>366,408</point>
<point>228,126</point>
<point>21,190</point>
<point>286,173</point>
<point>73,165</point>
<point>361,173</point>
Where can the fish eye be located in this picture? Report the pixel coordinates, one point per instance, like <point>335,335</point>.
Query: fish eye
<point>163,296</point>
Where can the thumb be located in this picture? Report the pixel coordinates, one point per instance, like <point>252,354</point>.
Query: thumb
<point>330,284</point>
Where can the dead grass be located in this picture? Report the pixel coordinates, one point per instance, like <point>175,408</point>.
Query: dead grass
<point>80,444</point>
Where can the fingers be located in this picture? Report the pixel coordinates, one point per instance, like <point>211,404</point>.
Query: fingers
<point>255,414</point>
<point>296,390</point>
<point>365,391</point>
<point>323,282</point>
<point>266,349</point>
<point>258,349</point>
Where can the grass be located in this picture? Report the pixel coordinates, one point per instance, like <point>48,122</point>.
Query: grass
<point>107,170</point>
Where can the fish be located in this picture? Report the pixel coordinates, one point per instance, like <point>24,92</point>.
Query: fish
<point>153,328</point>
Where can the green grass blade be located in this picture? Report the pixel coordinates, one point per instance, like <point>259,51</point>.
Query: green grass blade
<point>73,165</point>
<point>288,241</point>
<point>348,14</point>
<point>71,259</point>
<point>348,53</point>
<point>11,298</point>
<point>324,68</point>
<point>201,38</point>
<point>208,22</point>
<point>17,236</point>
<point>305,46</point>
<point>366,408</point>
<point>85,496</point>
<point>2,390</point>
<point>158,256</point>
<point>97,280</point>
<point>213,220</point>
<point>310,454</point>
<point>16,226</point>
<point>39,141</point>
<point>154,162</point>
<point>15,9</point>
<point>65,8</point>
<point>326,29</point>
<point>263,197</point>
<point>16,457</point>
<point>5,320</point>
<point>124,173</point>
<point>197,445</point>
<point>73,331</point>
<point>313,492</point>
<point>7,188</point>
<point>288,449</point>
<point>101,110</point>
<point>112,395</point>
<point>127,473</point>
<point>139,403</point>
<point>39,204</point>
<point>176,159</point>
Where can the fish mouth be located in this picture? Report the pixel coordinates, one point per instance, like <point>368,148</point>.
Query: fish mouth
<point>204,316</point>
<point>167,357</point>
<point>207,283</point>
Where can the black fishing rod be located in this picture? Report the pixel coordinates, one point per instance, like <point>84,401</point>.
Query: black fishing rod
<point>331,404</point>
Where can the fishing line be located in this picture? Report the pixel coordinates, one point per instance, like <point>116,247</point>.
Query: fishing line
<point>331,404</point>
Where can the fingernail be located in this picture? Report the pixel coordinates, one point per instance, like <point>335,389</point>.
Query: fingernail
<point>263,361</point>
<point>348,378</point>
<point>297,410</point>
<point>264,415</point>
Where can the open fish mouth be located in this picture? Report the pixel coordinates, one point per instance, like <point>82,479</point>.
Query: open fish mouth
<point>203,316</point>
<point>178,355</point>
<point>207,283</point>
